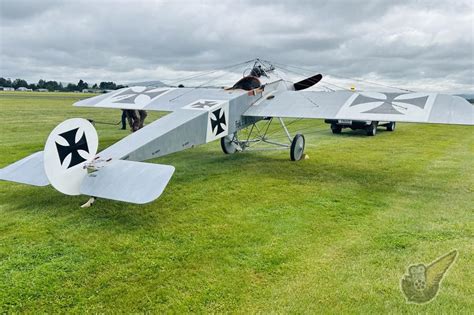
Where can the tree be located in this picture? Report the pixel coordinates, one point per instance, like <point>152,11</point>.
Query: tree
<point>41,84</point>
<point>107,86</point>
<point>71,87</point>
<point>19,83</point>
<point>5,82</point>
<point>52,86</point>
<point>81,85</point>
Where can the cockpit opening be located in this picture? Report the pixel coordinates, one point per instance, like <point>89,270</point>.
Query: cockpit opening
<point>247,83</point>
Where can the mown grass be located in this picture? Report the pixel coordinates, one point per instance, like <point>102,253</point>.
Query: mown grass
<point>251,232</point>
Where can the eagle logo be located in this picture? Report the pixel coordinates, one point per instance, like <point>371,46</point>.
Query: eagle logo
<point>72,148</point>
<point>218,122</point>
<point>421,284</point>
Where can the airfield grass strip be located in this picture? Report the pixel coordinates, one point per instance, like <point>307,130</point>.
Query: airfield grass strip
<point>250,232</point>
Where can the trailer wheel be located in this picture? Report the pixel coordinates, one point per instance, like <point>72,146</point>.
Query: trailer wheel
<point>391,126</point>
<point>371,129</point>
<point>336,129</point>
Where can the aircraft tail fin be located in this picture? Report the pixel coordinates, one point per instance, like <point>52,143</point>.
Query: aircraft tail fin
<point>128,181</point>
<point>308,82</point>
<point>29,170</point>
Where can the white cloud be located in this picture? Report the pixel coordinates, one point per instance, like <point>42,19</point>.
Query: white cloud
<point>415,44</point>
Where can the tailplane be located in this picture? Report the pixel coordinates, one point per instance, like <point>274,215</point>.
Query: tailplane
<point>70,164</point>
<point>28,170</point>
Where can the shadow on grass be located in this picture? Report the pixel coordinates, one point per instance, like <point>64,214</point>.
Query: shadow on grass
<point>44,202</point>
<point>201,176</point>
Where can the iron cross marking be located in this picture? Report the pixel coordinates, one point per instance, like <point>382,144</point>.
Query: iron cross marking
<point>129,96</point>
<point>203,104</point>
<point>216,124</point>
<point>72,148</point>
<point>388,106</point>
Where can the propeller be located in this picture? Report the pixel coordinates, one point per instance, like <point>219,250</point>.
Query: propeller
<point>306,83</point>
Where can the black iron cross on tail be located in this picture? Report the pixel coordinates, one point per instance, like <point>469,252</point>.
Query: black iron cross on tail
<point>72,148</point>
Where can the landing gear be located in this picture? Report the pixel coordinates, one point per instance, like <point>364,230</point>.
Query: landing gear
<point>297,147</point>
<point>228,144</point>
<point>371,129</point>
<point>391,126</point>
<point>255,135</point>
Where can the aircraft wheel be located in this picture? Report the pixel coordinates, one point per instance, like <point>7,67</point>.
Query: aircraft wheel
<point>391,126</point>
<point>336,129</point>
<point>227,144</point>
<point>297,147</point>
<point>371,129</point>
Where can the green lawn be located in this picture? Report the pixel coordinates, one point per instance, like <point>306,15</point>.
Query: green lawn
<point>251,232</point>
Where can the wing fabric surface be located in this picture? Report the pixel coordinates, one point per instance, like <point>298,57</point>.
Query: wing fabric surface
<point>128,181</point>
<point>372,106</point>
<point>159,99</point>
<point>29,170</point>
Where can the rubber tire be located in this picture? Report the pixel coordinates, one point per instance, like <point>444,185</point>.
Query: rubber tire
<point>391,126</point>
<point>225,144</point>
<point>295,155</point>
<point>336,129</point>
<point>371,129</point>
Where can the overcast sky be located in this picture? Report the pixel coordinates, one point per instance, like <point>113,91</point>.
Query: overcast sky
<point>424,45</point>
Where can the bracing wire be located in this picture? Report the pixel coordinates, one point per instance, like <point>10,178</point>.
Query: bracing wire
<point>205,73</point>
<point>212,79</point>
<point>345,78</point>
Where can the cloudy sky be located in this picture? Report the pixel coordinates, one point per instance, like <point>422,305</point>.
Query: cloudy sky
<point>420,45</point>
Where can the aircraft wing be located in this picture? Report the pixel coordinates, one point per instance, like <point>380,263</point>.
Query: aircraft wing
<point>369,106</point>
<point>159,99</point>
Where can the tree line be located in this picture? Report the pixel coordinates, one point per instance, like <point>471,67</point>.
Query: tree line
<point>58,86</point>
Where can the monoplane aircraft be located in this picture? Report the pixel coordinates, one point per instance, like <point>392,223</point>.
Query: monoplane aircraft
<point>71,164</point>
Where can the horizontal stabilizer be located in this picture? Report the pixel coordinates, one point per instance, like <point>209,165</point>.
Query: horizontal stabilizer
<point>134,182</point>
<point>29,170</point>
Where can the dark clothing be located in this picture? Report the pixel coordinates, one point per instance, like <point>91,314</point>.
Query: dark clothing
<point>136,118</point>
<point>124,119</point>
<point>143,115</point>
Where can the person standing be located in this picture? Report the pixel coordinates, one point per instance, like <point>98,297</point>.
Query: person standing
<point>132,119</point>
<point>142,114</point>
<point>124,119</point>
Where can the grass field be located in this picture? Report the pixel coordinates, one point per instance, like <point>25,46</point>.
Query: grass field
<point>251,232</point>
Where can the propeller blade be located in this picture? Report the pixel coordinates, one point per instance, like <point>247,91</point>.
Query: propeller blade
<point>306,83</point>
